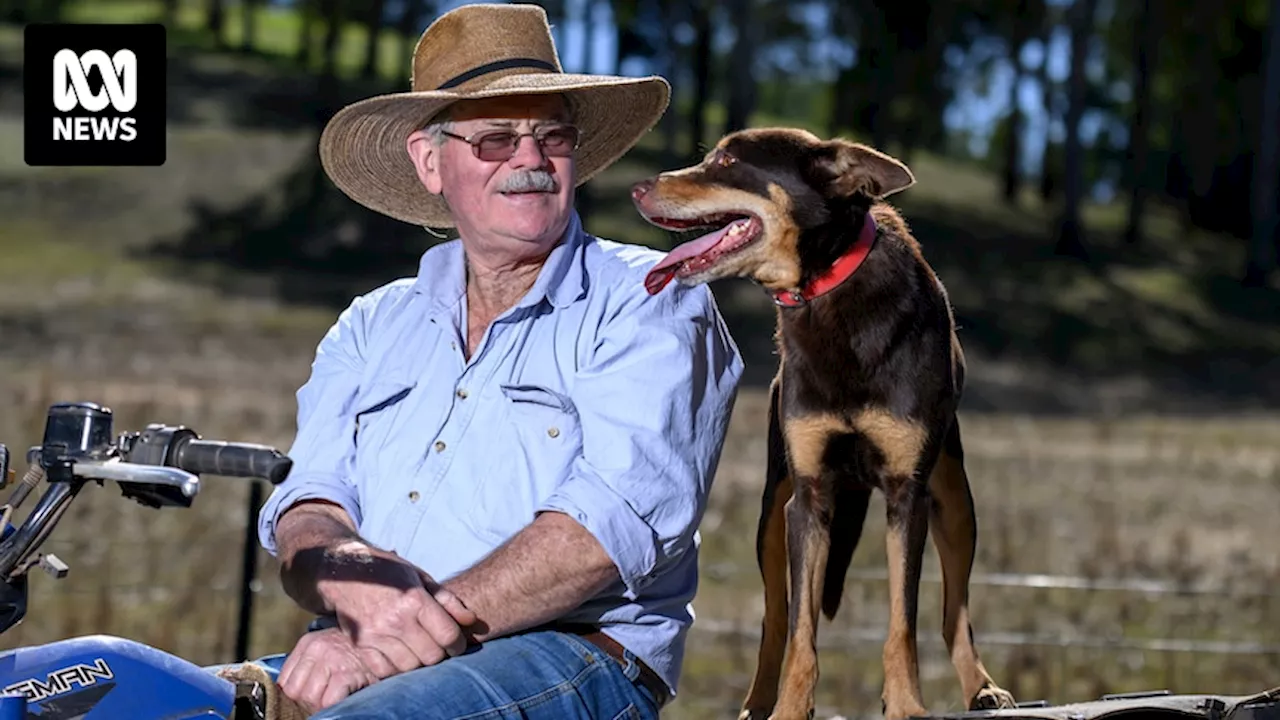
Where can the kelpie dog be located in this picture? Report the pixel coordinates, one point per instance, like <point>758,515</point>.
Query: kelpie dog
<point>865,396</point>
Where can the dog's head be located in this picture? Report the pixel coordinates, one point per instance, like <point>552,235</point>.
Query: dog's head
<point>760,191</point>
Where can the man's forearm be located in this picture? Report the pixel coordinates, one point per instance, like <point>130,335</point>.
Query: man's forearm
<point>547,569</point>
<point>305,534</point>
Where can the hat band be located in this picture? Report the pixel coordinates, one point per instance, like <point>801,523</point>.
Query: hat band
<point>496,66</point>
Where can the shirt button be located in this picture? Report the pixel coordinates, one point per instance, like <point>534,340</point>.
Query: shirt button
<point>553,431</point>
<point>413,496</point>
<point>462,393</point>
<point>440,446</point>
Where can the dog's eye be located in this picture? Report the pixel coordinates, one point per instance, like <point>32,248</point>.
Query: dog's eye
<point>724,159</point>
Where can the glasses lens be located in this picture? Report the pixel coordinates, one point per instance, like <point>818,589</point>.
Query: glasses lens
<point>496,145</point>
<point>559,141</point>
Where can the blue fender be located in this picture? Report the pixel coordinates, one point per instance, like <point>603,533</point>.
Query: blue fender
<point>102,676</point>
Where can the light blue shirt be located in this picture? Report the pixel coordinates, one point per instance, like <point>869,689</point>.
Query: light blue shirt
<point>589,397</point>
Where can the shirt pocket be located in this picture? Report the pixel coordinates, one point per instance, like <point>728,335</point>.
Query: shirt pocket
<point>376,408</point>
<point>534,444</point>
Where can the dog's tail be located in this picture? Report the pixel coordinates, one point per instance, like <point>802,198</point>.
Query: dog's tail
<point>848,513</point>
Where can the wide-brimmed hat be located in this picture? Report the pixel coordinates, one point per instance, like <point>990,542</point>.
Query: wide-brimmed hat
<point>479,51</point>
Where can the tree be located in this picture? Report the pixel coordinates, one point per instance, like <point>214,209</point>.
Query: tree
<point>1070,229</point>
<point>1266,168</point>
<point>1150,22</point>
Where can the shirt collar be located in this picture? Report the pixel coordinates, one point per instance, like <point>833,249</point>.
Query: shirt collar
<point>442,275</point>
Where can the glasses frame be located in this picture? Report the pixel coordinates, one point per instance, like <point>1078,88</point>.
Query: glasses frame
<point>538,135</point>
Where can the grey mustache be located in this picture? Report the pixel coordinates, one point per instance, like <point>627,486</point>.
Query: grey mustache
<point>530,181</point>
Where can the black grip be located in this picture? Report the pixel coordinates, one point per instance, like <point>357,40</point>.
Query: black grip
<point>215,457</point>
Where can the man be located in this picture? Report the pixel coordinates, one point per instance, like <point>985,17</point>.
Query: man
<point>500,464</point>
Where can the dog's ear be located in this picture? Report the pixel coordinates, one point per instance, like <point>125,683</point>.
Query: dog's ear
<point>841,168</point>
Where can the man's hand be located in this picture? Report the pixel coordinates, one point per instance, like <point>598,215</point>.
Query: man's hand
<point>323,668</point>
<point>397,616</point>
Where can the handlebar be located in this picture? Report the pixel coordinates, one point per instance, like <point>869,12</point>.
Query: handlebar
<point>216,457</point>
<point>159,466</point>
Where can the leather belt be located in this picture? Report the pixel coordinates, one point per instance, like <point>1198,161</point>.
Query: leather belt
<point>647,677</point>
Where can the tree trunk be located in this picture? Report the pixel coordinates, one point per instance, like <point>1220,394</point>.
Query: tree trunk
<point>1266,168</point>
<point>332,13</point>
<point>248,25</point>
<point>701,75</point>
<point>742,79</point>
<point>671,65</point>
<point>409,19</point>
<point>214,21</point>
<point>306,8</point>
<point>373,21</point>
<point>1071,240</point>
<point>880,54</point>
<point>1021,32</point>
<point>1202,108</point>
<point>926,129</point>
<point>1150,21</point>
<point>1049,157</point>
<point>844,105</point>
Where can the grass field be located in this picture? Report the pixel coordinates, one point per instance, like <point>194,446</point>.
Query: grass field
<point>1120,420</point>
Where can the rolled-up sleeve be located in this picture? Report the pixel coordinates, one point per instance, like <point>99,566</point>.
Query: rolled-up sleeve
<point>323,449</point>
<point>654,399</point>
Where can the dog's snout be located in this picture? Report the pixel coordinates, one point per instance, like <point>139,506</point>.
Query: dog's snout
<point>642,188</point>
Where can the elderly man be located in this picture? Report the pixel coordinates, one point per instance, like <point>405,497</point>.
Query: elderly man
<point>501,463</point>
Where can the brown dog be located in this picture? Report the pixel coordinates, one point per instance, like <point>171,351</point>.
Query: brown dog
<point>865,396</point>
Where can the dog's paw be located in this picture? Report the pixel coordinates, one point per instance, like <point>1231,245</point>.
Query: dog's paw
<point>992,697</point>
<point>902,711</point>
<point>783,715</point>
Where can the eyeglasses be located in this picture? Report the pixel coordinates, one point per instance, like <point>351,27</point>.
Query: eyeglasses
<point>500,144</point>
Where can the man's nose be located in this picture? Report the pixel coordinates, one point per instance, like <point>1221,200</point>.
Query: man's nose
<point>642,188</point>
<point>528,152</point>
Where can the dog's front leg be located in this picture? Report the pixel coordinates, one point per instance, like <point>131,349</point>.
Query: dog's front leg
<point>808,539</point>
<point>907,509</point>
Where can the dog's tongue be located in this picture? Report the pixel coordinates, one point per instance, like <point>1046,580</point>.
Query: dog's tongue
<point>665,270</point>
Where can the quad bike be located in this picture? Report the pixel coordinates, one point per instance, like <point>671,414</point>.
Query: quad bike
<point>102,676</point>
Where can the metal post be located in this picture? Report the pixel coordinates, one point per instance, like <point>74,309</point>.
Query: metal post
<point>248,572</point>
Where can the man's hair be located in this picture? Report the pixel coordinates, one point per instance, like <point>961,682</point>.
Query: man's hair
<point>442,122</point>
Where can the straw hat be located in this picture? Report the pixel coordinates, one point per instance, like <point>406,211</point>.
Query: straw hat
<point>478,51</point>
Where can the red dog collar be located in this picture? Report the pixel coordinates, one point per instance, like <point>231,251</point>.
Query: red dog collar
<point>840,270</point>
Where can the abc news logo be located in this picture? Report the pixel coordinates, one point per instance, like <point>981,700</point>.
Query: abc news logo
<point>71,90</point>
<point>94,94</point>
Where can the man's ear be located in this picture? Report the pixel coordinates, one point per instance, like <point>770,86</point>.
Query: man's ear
<point>842,168</point>
<point>425,156</point>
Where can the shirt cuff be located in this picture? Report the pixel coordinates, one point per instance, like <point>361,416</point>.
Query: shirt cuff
<point>629,541</point>
<point>297,489</point>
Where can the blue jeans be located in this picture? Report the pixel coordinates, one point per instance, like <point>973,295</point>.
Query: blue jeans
<point>531,676</point>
